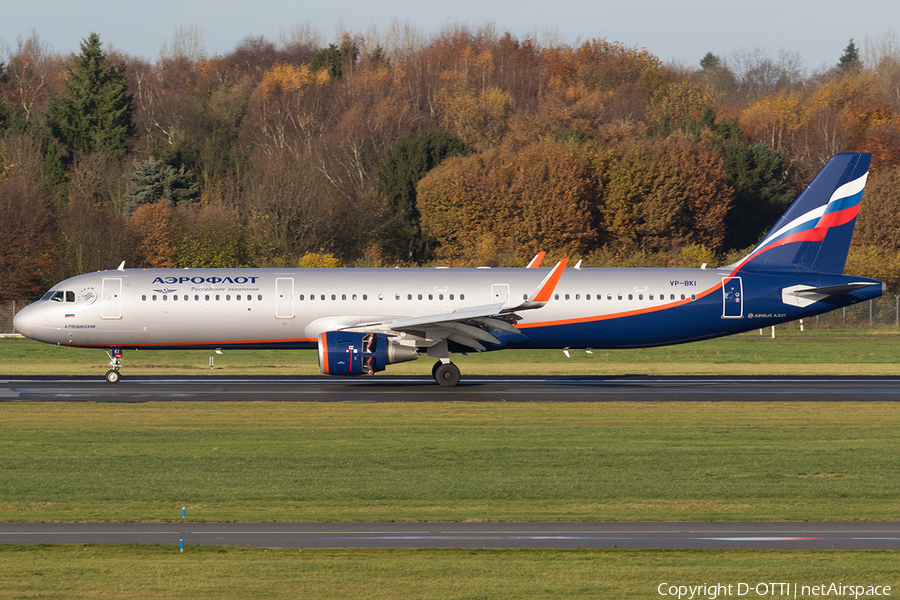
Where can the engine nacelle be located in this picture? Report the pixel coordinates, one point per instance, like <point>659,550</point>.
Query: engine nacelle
<point>352,353</point>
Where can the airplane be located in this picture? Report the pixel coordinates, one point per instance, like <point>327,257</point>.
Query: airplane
<point>361,320</point>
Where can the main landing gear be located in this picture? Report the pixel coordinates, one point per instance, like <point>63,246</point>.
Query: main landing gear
<point>115,361</point>
<point>445,373</point>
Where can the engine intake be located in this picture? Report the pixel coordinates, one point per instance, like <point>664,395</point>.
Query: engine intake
<point>352,353</point>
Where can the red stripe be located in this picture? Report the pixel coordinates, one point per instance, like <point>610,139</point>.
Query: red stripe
<point>838,217</point>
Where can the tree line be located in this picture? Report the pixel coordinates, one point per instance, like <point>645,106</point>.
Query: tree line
<point>464,148</point>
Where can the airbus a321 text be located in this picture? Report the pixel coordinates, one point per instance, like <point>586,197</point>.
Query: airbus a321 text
<point>362,320</point>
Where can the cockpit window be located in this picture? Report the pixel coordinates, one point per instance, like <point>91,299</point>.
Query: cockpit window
<point>70,296</point>
<point>48,295</point>
<point>57,296</point>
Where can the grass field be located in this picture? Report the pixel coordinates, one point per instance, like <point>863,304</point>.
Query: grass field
<point>813,352</point>
<point>423,461</point>
<point>448,461</point>
<point>239,573</point>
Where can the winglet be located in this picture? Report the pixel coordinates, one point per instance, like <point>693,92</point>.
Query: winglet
<point>536,261</point>
<point>544,291</point>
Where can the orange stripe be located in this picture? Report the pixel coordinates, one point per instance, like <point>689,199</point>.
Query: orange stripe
<point>203,343</point>
<point>547,290</point>
<point>628,313</point>
<point>324,350</point>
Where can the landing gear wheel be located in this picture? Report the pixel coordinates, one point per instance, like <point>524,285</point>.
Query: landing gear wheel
<point>434,370</point>
<point>112,376</point>
<point>446,374</point>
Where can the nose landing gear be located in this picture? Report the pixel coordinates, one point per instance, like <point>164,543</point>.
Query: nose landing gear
<point>115,361</point>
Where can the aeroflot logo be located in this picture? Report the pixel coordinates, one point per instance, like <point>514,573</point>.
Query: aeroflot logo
<point>199,280</point>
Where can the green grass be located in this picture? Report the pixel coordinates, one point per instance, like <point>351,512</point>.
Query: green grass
<point>453,461</point>
<point>161,572</point>
<point>834,352</point>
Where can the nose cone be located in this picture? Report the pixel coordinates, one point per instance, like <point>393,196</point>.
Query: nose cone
<point>22,321</point>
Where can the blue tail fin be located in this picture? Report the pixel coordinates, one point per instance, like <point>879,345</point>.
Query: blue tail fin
<point>815,231</point>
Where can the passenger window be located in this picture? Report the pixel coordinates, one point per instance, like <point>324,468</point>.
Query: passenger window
<point>440,296</point>
<point>144,297</point>
<point>227,297</point>
<point>206,297</point>
<point>556,296</point>
<point>217,297</point>
<point>420,296</point>
<point>354,296</point>
<point>462,296</point>
<point>197,297</point>
<point>238,297</point>
<point>619,296</point>
<point>154,297</point>
<point>333,297</point>
<point>302,297</point>
<point>682,296</point>
<point>651,296</point>
<point>165,297</point>
<point>365,296</point>
<point>693,296</point>
<point>259,297</point>
<point>322,297</point>
<point>451,296</point>
<point>175,298</point>
<point>587,297</point>
<point>640,297</point>
<point>343,296</point>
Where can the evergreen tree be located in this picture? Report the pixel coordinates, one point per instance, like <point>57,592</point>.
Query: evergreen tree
<point>406,164</point>
<point>334,58</point>
<point>849,61</point>
<point>154,180</point>
<point>95,112</point>
<point>756,173</point>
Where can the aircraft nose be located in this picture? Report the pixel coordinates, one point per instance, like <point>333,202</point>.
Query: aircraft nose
<point>22,321</point>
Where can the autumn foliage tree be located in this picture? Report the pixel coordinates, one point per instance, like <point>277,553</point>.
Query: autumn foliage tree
<point>663,195</point>
<point>514,202</point>
<point>26,221</point>
<point>301,148</point>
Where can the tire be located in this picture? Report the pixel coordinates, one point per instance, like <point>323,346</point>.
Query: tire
<point>447,374</point>
<point>112,376</point>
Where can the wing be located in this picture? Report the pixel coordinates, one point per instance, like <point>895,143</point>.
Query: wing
<point>469,326</point>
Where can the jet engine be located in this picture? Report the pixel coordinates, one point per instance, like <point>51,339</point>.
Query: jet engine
<point>352,353</point>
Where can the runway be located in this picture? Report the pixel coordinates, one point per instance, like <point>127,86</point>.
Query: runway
<point>841,535</point>
<point>472,389</point>
<point>772,535</point>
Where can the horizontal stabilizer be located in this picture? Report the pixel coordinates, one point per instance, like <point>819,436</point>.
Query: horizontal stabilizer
<point>804,295</point>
